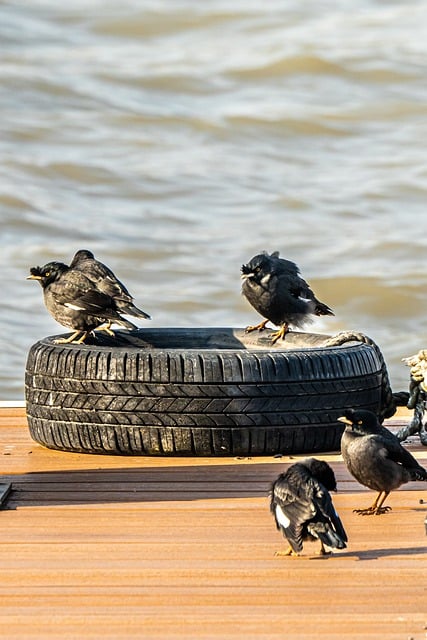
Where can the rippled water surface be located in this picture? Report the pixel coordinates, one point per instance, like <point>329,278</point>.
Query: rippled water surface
<point>177,139</point>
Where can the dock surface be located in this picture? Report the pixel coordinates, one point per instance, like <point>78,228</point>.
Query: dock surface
<point>113,547</point>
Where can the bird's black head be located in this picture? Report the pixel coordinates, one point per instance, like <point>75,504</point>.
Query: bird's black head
<point>361,420</point>
<point>79,256</point>
<point>258,267</point>
<point>322,471</point>
<point>47,274</point>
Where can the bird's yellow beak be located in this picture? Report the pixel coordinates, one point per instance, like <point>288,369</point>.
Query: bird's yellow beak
<point>345,420</point>
<point>31,277</point>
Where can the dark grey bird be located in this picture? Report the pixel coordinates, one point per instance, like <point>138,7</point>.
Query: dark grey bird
<point>106,281</point>
<point>276,290</point>
<point>375,457</point>
<point>74,301</point>
<point>302,507</point>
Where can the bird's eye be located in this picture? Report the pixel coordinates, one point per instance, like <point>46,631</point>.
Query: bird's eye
<point>47,274</point>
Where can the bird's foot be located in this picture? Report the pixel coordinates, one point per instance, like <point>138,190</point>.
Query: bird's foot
<point>72,339</point>
<point>372,511</point>
<point>369,511</point>
<point>379,510</point>
<point>256,327</point>
<point>288,552</point>
<point>323,551</point>
<point>281,333</point>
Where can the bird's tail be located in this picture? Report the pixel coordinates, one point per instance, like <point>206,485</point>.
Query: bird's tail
<point>125,323</point>
<point>326,535</point>
<point>131,310</point>
<point>322,309</point>
<point>418,474</point>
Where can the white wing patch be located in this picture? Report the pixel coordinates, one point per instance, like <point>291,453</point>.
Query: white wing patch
<point>282,519</point>
<point>73,306</point>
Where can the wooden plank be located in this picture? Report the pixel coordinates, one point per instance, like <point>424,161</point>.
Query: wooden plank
<point>124,548</point>
<point>5,489</point>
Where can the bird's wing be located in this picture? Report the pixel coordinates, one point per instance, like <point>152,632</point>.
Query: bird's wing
<point>323,503</point>
<point>103,277</point>
<point>395,451</point>
<point>114,288</point>
<point>292,508</point>
<point>301,290</point>
<point>77,292</point>
<point>296,286</point>
<point>282,266</point>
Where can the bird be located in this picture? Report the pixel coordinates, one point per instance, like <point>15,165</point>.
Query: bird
<point>375,457</point>
<point>276,290</point>
<point>74,301</point>
<point>105,280</point>
<point>302,507</point>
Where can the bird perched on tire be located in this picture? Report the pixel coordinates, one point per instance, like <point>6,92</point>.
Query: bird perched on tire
<point>276,290</point>
<point>106,281</point>
<point>302,507</point>
<point>74,301</point>
<point>375,458</point>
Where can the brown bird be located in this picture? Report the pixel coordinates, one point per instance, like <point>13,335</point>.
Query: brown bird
<point>375,458</point>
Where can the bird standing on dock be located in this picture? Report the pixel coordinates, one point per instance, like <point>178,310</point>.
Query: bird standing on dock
<point>302,507</point>
<point>73,301</point>
<point>106,281</point>
<point>275,288</point>
<point>375,457</point>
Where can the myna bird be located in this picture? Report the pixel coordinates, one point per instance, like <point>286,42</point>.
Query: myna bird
<point>74,302</point>
<point>375,457</point>
<point>302,507</point>
<point>275,288</point>
<point>107,282</point>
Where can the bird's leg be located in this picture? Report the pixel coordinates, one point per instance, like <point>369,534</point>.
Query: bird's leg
<point>280,333</point>
<point>289,552</point>
<point>256,327</point>
<point>379,508</point>
<point>376,507</point>
<point>82,337</point>
<point>323,551</point>
<point>107,329</point>
<point>71,338</point>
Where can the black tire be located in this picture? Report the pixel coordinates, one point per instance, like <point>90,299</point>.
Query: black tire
<point>197,392</point>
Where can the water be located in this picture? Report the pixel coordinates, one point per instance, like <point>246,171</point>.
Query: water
<point>177,139</point>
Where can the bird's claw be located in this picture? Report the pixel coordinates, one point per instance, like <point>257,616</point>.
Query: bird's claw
<point>379,510</point>
<point>288,552</point>
<point>364,512</point>
<point>256,327</point>
<point>371,511</point>
<point>72,339</point>
<point>281,333</point>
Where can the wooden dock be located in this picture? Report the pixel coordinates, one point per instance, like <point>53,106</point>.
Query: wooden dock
<point>105,547</point>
